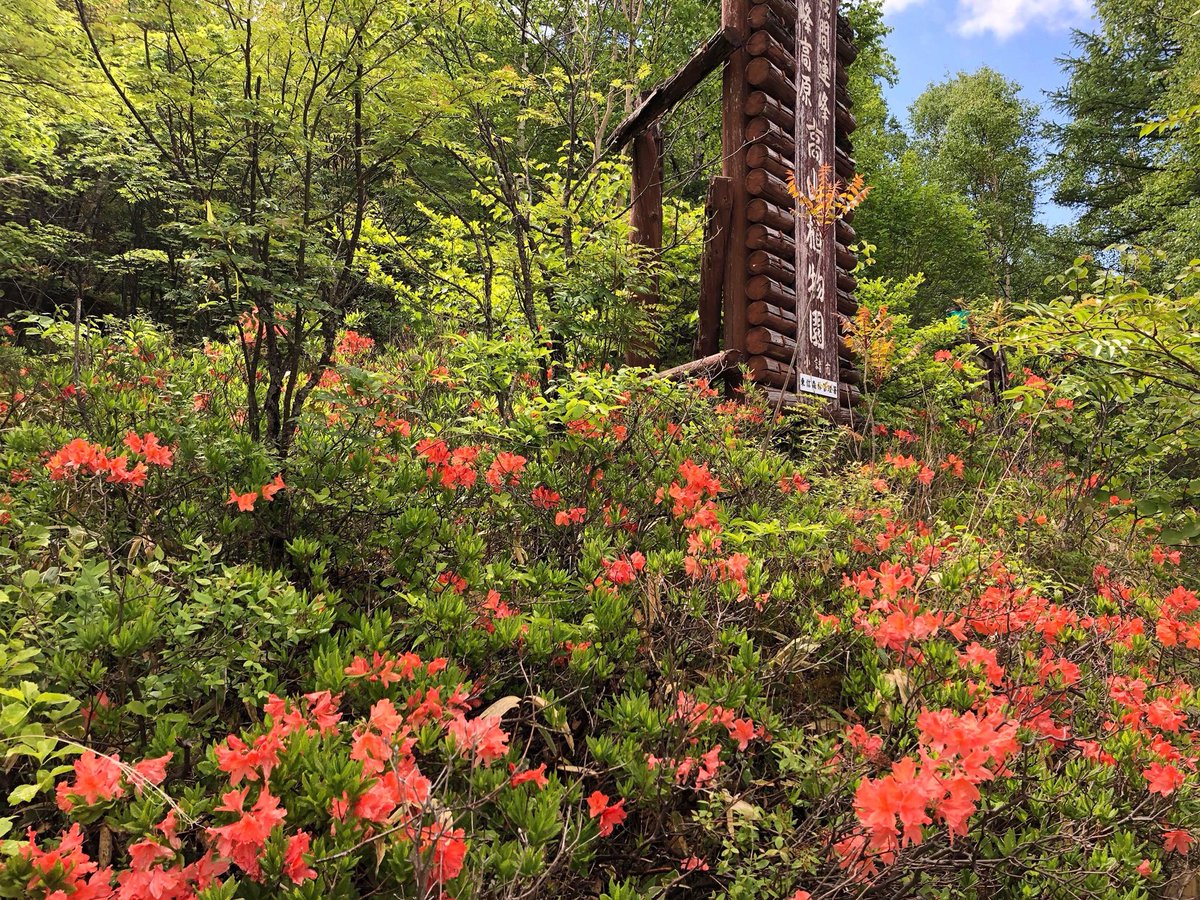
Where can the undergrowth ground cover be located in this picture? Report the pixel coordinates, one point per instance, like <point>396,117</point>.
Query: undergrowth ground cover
<point>623,638</point>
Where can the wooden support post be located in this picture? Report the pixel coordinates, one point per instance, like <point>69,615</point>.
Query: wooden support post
<point>718,209</point>
<point>646,227</point>
<point>815,336</point>
<point>734,94</point>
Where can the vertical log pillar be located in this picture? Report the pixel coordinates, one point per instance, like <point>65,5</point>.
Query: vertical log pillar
<point>717,219</point>
<point>816,319</point>
<point>646,226</point>
<point>734,91</point>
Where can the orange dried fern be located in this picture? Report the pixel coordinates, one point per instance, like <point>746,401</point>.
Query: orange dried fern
<point>870,335</point>
<point>825,198</point>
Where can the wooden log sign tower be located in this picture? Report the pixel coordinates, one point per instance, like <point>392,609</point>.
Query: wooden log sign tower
<point>776,284</point>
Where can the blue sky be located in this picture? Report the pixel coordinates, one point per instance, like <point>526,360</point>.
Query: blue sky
<point>933,39</point>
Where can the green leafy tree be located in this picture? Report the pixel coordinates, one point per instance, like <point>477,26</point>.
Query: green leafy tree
<point>917,226</point>
<point>914,223</point>
<point>1100,163</point>
<point>521,160</point>
<point>977,138</point>
<point>1132,183</point>
<point>276,120</point>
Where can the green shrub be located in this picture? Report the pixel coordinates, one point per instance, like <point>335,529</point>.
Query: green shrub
<point>621,639</point>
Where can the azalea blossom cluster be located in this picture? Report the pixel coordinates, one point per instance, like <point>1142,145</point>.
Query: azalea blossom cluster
<point>1156,717</point>
<point>106,778</point>
<point>66,870</point>
<point>608,815</point>
<point>387,669</point>
<point>694,495</point>
<point>392,424</point>
<point>543,497</point>
<point>901,463</point>
<point>492,608</point>
<point>450,468</point>
<point>624,569</point>
<point>1173,626</point>
<point>896,621</point>
<point>353,344</point>
<point>84,457</point>
<point>703,561</point>
<point>957,753</point>
<point>505,470</point>
<point>393,790</point>
<point>609,425</point>
<point>700,769</point>
<point>1020,643</point>
<point>796,483</point>
<point>245,502</point>
<point>156,868</point>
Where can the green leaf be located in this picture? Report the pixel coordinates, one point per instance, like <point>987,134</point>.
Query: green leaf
<point>22,794</point>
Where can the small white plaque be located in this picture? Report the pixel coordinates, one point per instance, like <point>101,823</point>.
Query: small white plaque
<point>822,387</point>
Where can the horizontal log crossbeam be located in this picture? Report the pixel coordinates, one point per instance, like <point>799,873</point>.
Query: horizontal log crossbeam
<point>671,92</point>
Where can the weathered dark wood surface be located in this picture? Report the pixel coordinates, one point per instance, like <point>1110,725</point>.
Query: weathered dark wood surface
<point>708,367</point>
<point>646,223</point>
<point>717,219</point>
<point>776,287</point>
<point>735,90</point>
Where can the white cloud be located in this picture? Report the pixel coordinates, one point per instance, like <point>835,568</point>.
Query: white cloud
<point>895,6</point>
<point>1004,18</point>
